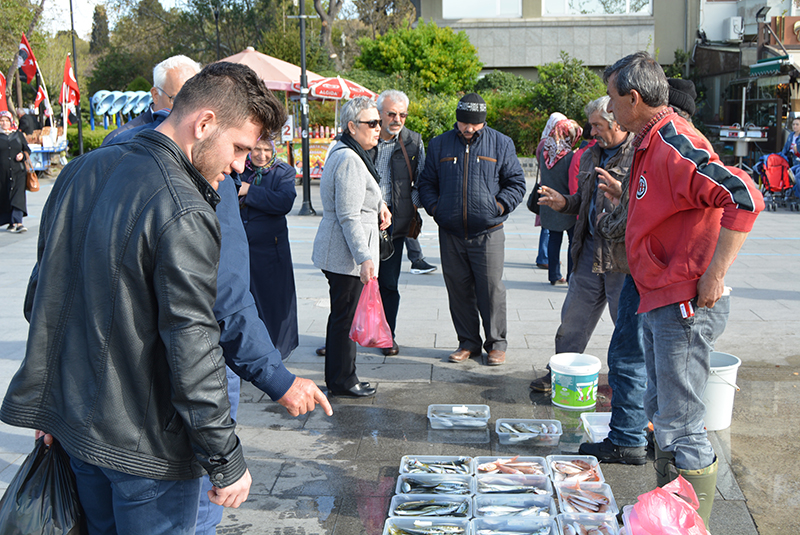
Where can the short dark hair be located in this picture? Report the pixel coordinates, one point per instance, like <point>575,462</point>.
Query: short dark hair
<point>641,72</point>
<point>235,93</point>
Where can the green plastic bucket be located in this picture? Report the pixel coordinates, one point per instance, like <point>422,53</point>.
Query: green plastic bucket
<point>574,380</point>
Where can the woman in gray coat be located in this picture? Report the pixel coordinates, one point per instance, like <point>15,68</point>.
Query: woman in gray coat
<point>346,247</point>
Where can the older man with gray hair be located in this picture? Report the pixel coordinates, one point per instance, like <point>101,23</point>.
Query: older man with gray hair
<point>399,161</point>
<point>688,216</point>
<point>168,78</point>
<point>595,280</point>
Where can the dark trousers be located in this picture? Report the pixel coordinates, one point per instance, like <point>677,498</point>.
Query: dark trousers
<point>554,240</point>
<point>473,275</point>
<point>340,351</point>
<point>587,297</point>
<point>388,277</point>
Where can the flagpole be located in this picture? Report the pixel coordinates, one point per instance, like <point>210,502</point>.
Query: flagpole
<point>75,70</point>
<point>48,106</point>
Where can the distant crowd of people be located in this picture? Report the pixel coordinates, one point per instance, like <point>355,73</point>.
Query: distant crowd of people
<point>164,273</point>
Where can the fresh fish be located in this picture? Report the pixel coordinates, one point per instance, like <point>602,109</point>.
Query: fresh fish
<point>511,466</point>
<point>579,500</point>
<point>544,530</point>
<point>432,508</point>
<point>440,529</point>
<point>459,466</point>
<point>415,486</point>
<point>509,510</point>
<point>509,488</point>
<point>576,528</point>
<point>575,470</point>
<point>461,419</point>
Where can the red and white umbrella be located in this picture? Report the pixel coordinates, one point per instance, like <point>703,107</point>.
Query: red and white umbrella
<point>336,89</point>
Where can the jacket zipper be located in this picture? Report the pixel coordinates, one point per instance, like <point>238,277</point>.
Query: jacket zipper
<point>464,201</point>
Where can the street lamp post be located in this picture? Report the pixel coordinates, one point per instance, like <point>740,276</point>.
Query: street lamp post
<point>306,208</point>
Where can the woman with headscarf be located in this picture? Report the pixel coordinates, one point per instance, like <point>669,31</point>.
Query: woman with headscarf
<point>554,155</point>
<point>13,147</point>
<point>346,247</point>
<point>266,195</point>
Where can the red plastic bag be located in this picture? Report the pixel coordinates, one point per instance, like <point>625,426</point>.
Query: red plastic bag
<point>668,510</point>
<point>369,324</point>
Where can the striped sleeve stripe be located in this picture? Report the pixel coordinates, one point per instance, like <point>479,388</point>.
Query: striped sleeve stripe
<point>717,173</point>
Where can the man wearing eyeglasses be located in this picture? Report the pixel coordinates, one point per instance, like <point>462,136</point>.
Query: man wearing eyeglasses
<point>471,181</point>
<point>399,161</point>
<point>168,78</point>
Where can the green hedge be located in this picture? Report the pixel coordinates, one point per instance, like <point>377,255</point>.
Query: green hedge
<point>91,138</point>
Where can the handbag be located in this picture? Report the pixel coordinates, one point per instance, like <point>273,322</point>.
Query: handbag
<point>533,198</point>
<point>415,227</point>
<point>31,179</point>
<point>387,246</point>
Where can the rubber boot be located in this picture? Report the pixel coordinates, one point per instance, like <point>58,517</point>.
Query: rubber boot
<point>664,465</point>
<point>704,482</point>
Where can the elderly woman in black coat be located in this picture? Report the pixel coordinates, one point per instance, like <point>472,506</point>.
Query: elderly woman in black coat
<point>12,174</point>
<point>266,195</point>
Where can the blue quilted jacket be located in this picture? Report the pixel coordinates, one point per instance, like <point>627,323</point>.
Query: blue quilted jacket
<point>462,184</point>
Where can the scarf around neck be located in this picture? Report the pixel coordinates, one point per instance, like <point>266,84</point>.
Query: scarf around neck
<point>258,172</point>
<point>351,143</point>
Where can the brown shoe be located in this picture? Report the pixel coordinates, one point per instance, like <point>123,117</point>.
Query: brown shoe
<point>496,357</point>
<point>460,355</point>
<point>389,351</point>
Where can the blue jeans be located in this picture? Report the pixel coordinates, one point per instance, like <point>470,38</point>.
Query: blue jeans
<point>627,373</point>
<point>209,515</point>
<point>414,251</point>
<point>544,235</point>
<point>677,353</point>
<point>121,504</point>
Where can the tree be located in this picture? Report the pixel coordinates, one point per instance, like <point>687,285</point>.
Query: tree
<point>326,29</point>
<point>566,86</point>
<point>384,15</point>
<point>115,70</point>
<point>99,40</point>
<point>444,61</point>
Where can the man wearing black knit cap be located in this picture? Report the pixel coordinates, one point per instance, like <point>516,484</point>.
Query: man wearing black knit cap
<point>682,95</point>
<point>471,181</point>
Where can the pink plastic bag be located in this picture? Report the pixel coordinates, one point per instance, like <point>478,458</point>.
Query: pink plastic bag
<point>669,510</point>
<point>369,324</point>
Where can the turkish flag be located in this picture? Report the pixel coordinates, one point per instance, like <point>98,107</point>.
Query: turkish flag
<point>39,97</point>
<point>70,94</point>
<point>3,104</point>
<point>26,61</point>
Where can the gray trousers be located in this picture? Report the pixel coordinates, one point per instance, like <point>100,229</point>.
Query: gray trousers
<point>473,273</point>
<point>587,296</point>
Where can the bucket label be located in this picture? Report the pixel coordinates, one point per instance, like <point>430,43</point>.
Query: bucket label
<point>572,391</point>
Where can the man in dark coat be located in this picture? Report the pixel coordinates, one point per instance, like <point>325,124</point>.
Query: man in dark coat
<point>400,159</point>
<point>471,181</point>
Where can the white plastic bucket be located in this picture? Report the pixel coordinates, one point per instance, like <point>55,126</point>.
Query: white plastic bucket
<point>718,396</point>
<point>575,377</point>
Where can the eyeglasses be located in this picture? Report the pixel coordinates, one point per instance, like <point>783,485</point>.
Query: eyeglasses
<point>170,97</point>
<point>392,115</point>
<point>372,124</point>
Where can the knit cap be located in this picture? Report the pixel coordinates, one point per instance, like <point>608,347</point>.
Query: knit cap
<point>682,94</point>
<point>471,109</point>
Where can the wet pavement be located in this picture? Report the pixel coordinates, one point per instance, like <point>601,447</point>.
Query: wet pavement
<point>335,475</point>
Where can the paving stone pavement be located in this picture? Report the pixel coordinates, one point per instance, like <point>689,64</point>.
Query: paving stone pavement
<point>335,475</point>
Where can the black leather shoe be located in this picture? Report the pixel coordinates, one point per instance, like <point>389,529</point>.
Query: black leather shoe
<point>320,351</point>
<point>358,391</point>
<point>389,351</point>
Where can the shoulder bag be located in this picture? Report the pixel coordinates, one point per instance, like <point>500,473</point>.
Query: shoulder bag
<point>31,179</point>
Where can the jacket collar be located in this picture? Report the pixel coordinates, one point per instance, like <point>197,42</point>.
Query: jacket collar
<point>475,138</point>
<point>157,140</point>
<point>642,139</point>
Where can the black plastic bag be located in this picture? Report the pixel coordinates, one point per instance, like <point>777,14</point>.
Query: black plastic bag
<point>43,497</point>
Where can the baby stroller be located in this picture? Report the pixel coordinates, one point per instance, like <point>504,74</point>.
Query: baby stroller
<point>776,182</point>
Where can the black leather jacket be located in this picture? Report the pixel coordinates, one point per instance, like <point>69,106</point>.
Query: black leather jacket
<point>123,365</point>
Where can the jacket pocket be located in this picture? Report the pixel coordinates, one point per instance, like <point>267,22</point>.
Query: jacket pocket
<point>656,252</point>
<point>175,424</point>
<point>487,159</point>
<point>445,160</point>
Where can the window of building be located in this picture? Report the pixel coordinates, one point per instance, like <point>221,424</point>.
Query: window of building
<point>481,9</point>
<point>597,7</point>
